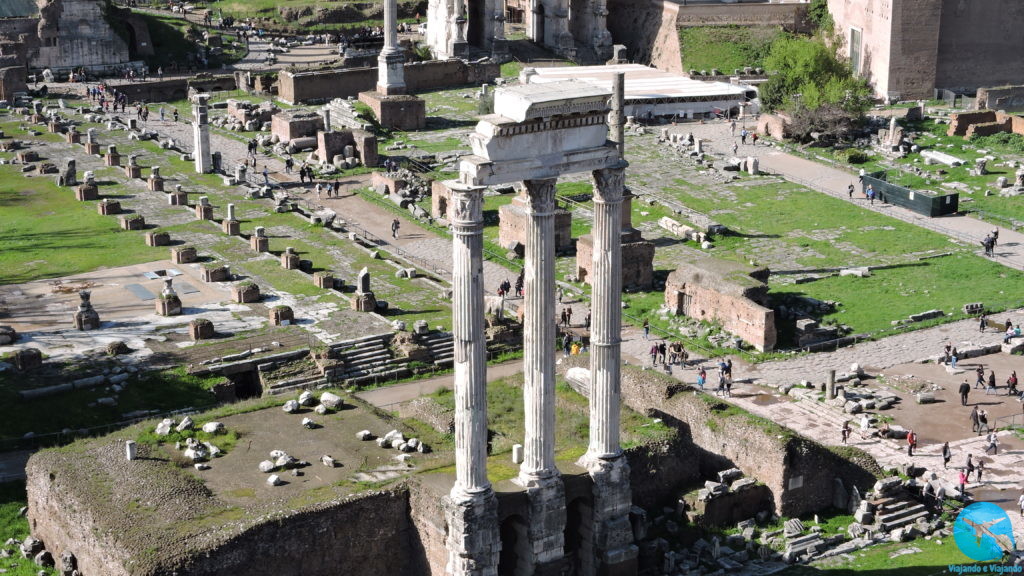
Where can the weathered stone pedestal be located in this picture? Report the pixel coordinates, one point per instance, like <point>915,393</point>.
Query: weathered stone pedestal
<point>73,137</point>
<point>204,212</point>
<point>54,127</point>
<point>324,280</point>
<point>289,259</point>
<point>218,273</point>
<point>86,317</point>
<point>258,242</point>
<point>184,254</point>
<point>245,293</point>
<point>201,329</point>
<point>133,171</point>
<point>281,315</point>
<point>155,181</point>
<point>397,112</point>
<point>474,541</point>
<point>167,302</point>
<point>26,156</point>
<point>109,207</point>
<point>28,359</point>
<point>157,238</point>
<point>113,158</point>
<point>365,302</point>
<point>87,192</point>
<point>133,222</point>
<point>231,227</point>
<point>93,149</point>
<point>177,198</point>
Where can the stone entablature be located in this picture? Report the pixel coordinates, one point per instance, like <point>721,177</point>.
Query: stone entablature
<point>706,288</point>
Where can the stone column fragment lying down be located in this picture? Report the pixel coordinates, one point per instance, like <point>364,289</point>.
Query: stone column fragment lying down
<point>471,510</point>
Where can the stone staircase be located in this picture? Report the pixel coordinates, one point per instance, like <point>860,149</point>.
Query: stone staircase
<point>366,359</point>
<point>891,513</point>
<point>343,115</point>
<point>300,383</point>
<point>442,348</point>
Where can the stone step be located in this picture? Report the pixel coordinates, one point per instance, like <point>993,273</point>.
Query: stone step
<point>353,342</point>
<point>296,384</point>
<point>370,378</point>
<point>902,517</point>
<point>366,355</point>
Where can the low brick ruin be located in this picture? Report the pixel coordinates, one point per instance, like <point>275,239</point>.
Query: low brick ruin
<point>245,292</point>
<point>714,290</point>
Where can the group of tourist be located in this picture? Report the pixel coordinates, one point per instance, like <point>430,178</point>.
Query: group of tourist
<point>331,189</point>
<point>109,99</point>
<point>989,243</point>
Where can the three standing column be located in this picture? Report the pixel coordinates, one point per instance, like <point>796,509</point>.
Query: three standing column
<point>473,540</point>
<point>538,472</point>
<point>612,533</point>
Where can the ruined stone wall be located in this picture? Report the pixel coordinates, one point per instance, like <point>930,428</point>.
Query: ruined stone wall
<point>171,90</point>
<point>12,81</point>
<point>980,44</point>
<point>799,472</point>
<point>874,20</point>
<point>426,511</point>
<point>637,262</point>
<point>87,501</point>
<point>74,33</point>
<point>648,30</point>
<point>961,121</point>
<point>513,222</point>
<point>295,87</point>
<point>738,315</point>
<point>14,27</point>
<point>1005,98</point>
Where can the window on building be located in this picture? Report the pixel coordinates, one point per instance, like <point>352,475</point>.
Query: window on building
<point>855,50</point>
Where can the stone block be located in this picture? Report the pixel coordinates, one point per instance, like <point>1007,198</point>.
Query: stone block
<point>87,192</point>
<point>158,239</point>
<point>245,293</point>
<point>109,207</point>
<point>201,329</point>
<point>259,243</point>
<point>204,212</point>
<point>155,184</point>
<point>401,112</point>
<point>281,315</point>
<point>73,137</point>
<point>365,302</point>
<point>93,149</point>
<point>168,305</point>
<point>28,359</point>
<point>131,171</point>
<point>324,280</point>
<point>132,222</point>
<point>112,159</point>
<point>216,273</point>
<point>184,254</point>
<point>289,260</point>
<point>177,198</point>
<point>231,227</point>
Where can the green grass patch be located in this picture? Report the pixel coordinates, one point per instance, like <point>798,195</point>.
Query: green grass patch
<point>48,234</point>
<point>726,47</point>
<point>932,560</point>
<point>163,391</point>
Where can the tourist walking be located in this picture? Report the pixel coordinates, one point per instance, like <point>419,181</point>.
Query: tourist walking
<point>1011,383</point>
<point>983,422</point>
<point>981,470</point>
<point>911,442</point>
<point>395,225</point>
<point>974,419</point>
<point>662,347</point>
<point>991,389</point>
<point>962,481</point>
<point>953,357</point>
<point>947,455</point>
<point>702,377</point>
<point>979,382</point>
<point>1020,504</point>
<point>969,467</point>
<point>647,328</point>
<point>849,190</point>
<point>845,431</point>
<point>266,175</point>
<point>654,354</point>
<point>982,322</point>
<point>965,389</point>
<point>870,193</point>
<point>993,443</point>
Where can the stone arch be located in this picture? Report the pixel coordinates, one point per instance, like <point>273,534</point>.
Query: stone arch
<point>515,543</point>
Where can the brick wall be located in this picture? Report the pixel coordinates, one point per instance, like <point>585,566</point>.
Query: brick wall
<point>637,262</point>
<point>1005,98</point>
<point>914,51</point>
<point>648,30</point>
<point>513,222</point>
<point>958,123</point>
<point>737,314</point>
<point>295,87</point>
<point>980,44</point>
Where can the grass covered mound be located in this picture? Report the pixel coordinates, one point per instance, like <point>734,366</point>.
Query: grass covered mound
<point>726,47</point>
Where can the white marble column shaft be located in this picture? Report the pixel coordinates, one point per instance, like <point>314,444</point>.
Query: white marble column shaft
<point>539,334</point>
<point>470,341</point>
<point>201,152</point>
<point>606,314</point>
<point>390,62</point>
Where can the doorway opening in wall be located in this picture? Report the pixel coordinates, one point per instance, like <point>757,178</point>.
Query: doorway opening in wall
<point>856,50</point>
<point>513,539</point>
<point>247,384</point>
<point>475,24</point>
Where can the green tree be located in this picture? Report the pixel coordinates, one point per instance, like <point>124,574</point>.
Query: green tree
<point>806,73</point>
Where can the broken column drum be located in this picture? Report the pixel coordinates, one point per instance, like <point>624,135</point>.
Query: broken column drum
<point>537,133</point>
<point>201,134</point>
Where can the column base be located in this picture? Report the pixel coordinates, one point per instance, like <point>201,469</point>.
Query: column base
<point>460,49</point>
<point>499,51</point>
<point>614,550</point>
<point>474,541</point>
<point>546,532</point>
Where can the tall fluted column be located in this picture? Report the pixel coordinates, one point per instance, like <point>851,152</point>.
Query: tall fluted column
<point>539,332</point>
<point>499,47</point>
<point>538,473</point>
<point>473,541</point>
<point>390,70</point>
<point>611,531</point>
